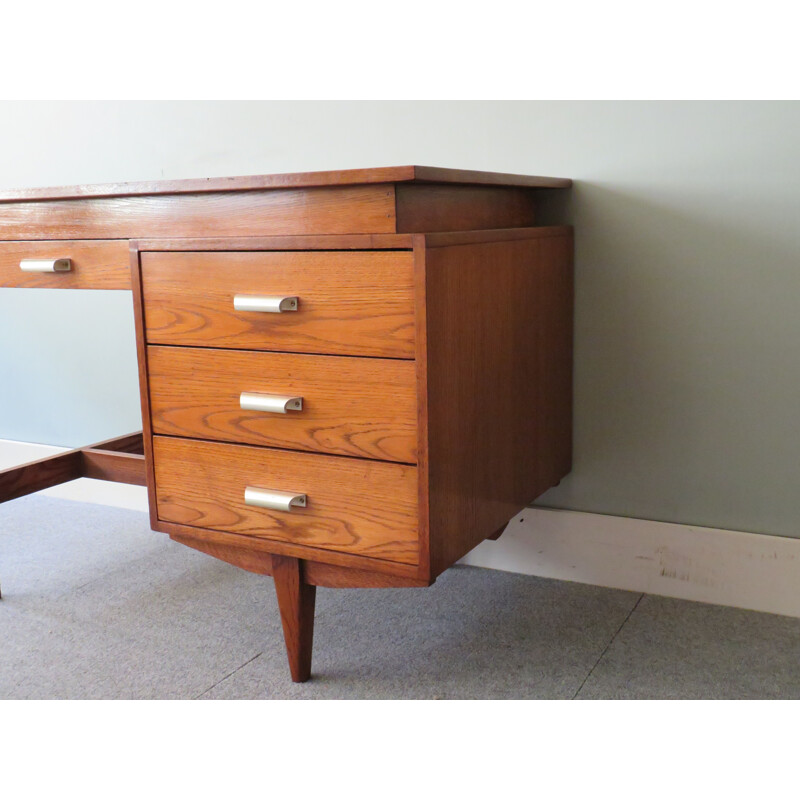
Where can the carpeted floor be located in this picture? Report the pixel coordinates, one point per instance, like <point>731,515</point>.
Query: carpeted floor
<point>95,605</point>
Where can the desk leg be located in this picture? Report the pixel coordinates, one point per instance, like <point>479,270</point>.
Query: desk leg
<point>296,602</point>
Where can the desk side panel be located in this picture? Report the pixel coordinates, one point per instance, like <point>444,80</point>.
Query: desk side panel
<point>499,379</point>
<point>440,207</point>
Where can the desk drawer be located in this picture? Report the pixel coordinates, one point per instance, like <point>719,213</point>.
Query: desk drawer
<point>363,407</point>
<point>93,264</point>
<point>349,303</point>
<point>355,506</point>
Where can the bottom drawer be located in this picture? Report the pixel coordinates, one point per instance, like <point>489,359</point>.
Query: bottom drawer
<point>355,506</point>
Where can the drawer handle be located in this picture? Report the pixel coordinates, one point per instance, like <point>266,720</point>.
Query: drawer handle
<point>46,265</point>
<point>273,403</point>
<point>272,305</point>
<point>279,501</point>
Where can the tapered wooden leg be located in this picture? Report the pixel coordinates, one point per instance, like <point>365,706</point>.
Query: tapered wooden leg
<point>296,602</point>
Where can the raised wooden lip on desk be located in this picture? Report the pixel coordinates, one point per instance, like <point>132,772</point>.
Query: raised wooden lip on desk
<point>288,180</point>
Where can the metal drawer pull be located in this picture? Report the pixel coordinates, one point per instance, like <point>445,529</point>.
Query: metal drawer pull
<point>46,265</point>
<point>274,403</point>
<point>273,305</point>
<point>266,498</point>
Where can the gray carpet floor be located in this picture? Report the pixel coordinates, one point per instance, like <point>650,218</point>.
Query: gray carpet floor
<point>96,605</point>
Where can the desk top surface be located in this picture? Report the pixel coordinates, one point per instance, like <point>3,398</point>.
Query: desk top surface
<point>289,180</point>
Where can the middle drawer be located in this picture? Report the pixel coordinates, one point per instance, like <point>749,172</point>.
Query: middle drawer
<point>363,407</point>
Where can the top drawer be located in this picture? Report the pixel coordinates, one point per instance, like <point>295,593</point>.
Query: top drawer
<point>348,302</point>
<point>102,264</point>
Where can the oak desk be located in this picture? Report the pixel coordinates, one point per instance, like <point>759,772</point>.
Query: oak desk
<point>348,379</point>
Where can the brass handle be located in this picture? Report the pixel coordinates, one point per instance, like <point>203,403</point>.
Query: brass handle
<point>278,501</point>
<point>273,403</point>
<point>272,305</point>
<point>46,265</point>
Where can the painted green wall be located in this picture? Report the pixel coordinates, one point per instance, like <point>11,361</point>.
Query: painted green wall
<point>687,218</point>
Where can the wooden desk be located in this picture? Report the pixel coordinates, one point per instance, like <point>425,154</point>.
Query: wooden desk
<point>348,379</point>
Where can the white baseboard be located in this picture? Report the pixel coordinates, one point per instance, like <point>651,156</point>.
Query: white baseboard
<point>745,570</point>
<point>731,568</point>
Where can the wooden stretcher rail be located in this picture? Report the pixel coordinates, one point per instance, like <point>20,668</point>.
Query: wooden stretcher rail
<point>120,459</point>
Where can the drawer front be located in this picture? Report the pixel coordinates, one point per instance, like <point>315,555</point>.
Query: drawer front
<point>93,264</point>
<point>349,303</point>
<point>365,508</point>
<point>363,407</point>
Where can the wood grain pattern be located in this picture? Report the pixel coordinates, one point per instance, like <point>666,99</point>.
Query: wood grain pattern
<point>432,207</point>
<point>296,602</point>
<point>316,573</point>
<point>37,475</point>
<point>95,264</point>
<point>478,178</point>
<point>107,465</point>
<point>499,333</point>
<point>242,557</point>
<point>362,407</point>
<point>347,209</point>
<point>144,393</point>
<point>450,238</point>
<point>354,241</point>
<point>333,577</point>
<point>554,358</point>
<point>355,506</point>
<point>272,546</point>
<point>289,180</point>
<point>421,362</point>
<point>351,303</point>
